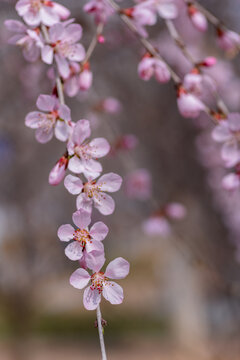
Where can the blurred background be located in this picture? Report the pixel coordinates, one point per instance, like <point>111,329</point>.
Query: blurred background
<point>182,294</point>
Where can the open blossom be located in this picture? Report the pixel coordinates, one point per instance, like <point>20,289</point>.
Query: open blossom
<point>231,182</point>
<point>138,184</point>
<point>198,18</point>
<point>58,172</point>
<point>188,104</point>
<point>84,154</point>
<point>84,240</point>
<point>28,39</point>
<point>100,9</point>
<point>166,9</point>
<point>93,192</point>
<point>64,47</point>
<point>100,283</point>
<point>141,15</point>
<point>227,132</point>
<point>53,121</point>
<point>35,12</point>
<point>228,40</point>
<point>150,66</point>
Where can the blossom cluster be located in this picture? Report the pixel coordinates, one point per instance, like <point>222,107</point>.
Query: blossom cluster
<point>48,34</point>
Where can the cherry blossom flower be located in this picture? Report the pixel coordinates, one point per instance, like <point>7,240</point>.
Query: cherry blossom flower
<point>198,18</point>
<point>100,9</point>
<point>156,225</point>
<point>231,182</point>
<point>93,192</point>
<point>166,9</point>
<point>85,79</point>
<point>150,66</point>
<point>53,121</point>
<point>100,283</point>
<point>35,12</point>
<point>141,15</point>
<point>84,154</point>
<point>227,132</point>
<point>84,240</point>
<point>111,105</point>
<point>58,172</point>
<point>228,40</point>
<point>138,184</point>
<point>198,84</point>
<point>188,104</point>
<point>64,47</point>
<point>175,210</point>
<point>29,39</point>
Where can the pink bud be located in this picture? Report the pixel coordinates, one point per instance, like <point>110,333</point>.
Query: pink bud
<point>101,39</point>
<point>209,61</point>
<point>85,79</point>
<point>175,210</point>
<point>58,171</point>
<point>111,105</point>
<point>228,40</point>
<point>199,21</point>
<point>129,142</point>
<point>189,105</point>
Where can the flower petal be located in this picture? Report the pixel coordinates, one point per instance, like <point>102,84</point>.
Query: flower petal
<point>99,147</point>
<point>76,165</point>
<point>81,131</point>
<point>113,292</point>
<point>99,231</point>
<point>94,260</point>
<point>74,251</point>
<point>91,298</point>
<point>117,269</point>
<point>34,119</point>
<point>61,130</point>
<point>46,102</point>
<point>81,218</point>
<point>65,232</point>
<point>80,278</point>
<point>104,203</point>
<point>47,54</point>
<point>83,202</point>
<point>110,182</point>
<point>73,184</point>
<point>94,245</point>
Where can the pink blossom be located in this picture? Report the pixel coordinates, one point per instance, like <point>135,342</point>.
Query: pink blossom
<point>231,182</point>
<point>84,240</point>
<point>64,47</point>
<point>188,104</point>
<point>157,225</point>
<point>150,66</point>
<point>85,79</point>
<point>138,184</point>
<point>198,84</point>
<point>58,172</point>
<point>227,132</point>
<point>93,192</point>
<point>54,119</point>
<point>166,9</point>
<point>198,18</point>
<point>84,155</point>
<point>100,9</point>
<point>141,15</point>
<point>111,105</point>
<point>71,83</point>
<point>175,211</point>
<point>35,12</point>
<point>228,40</point>
<point>29,39</point>
<point>100,283</point>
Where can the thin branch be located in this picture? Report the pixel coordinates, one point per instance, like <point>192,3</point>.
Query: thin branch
<point>93,43</point>
<point>182,46</point>
<point>100,332</point>
<point>58,79</point>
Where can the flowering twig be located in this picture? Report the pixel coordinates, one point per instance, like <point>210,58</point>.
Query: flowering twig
<point>93,43</point>
<point>100,332</point>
